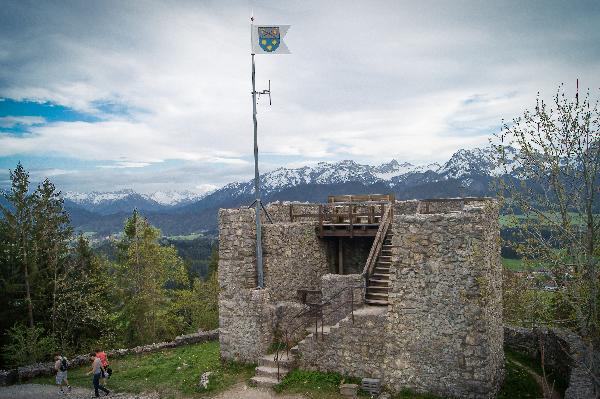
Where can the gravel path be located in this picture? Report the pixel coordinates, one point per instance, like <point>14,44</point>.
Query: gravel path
<point>36,391</point>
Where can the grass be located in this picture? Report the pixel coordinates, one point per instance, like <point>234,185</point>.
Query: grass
<point>408,394</point>
<point>552,377</point>
<point>315,384</point>
<point>188,237</point>
<point>518,382</point>
<point>172,373</point>
<point>175,373</point>
<point>514,265</point>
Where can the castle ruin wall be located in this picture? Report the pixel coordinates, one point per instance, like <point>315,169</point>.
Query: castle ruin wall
<point>442,330</point>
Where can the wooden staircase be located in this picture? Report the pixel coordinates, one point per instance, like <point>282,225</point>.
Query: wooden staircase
<point>379,281</point>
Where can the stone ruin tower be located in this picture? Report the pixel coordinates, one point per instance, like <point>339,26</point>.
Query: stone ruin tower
<point>407,292</point>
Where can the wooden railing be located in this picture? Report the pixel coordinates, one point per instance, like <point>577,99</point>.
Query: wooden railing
<point>378,242</point>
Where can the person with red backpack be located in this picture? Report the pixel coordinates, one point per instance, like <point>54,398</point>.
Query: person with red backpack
<point>98,371</point>
<point>104,359</point>
<point>61,365</point>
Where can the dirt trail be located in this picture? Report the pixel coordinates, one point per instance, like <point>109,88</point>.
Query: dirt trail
<point>38,391</point>
<point>241,391</point>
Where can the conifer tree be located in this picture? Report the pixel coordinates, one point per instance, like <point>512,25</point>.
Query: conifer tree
<point>51,235</point>
<point>17,226</point>
<point>84,299</point>
<point>148,276</point>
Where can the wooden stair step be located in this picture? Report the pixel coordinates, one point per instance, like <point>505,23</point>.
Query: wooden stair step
<point>377,295</point>
<point>378,288</point>
<point>385,276</point>
<point>374,280</point>
<point>381,270</point>
<point>377,302</point>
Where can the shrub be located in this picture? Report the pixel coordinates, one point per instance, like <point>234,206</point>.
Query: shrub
<point>27,345</point>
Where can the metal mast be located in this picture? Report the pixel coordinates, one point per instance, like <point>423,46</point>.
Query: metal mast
<point>257,203</point>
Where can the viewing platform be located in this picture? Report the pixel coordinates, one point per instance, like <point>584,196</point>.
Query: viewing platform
<point>350,215</point>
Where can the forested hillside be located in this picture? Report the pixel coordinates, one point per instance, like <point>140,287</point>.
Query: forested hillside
<point>61,294</point>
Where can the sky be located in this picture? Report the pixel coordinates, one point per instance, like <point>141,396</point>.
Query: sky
<point>156,95</point>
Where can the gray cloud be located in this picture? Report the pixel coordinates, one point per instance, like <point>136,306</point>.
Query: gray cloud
<point>365,80</point>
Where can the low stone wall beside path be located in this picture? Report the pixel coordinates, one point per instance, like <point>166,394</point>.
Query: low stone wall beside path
<point>564,352</point>
<point>9,377</point>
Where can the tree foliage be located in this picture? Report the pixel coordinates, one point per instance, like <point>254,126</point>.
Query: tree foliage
<point>554,151</point>
<point>148,277</point>
<point>59,293</point>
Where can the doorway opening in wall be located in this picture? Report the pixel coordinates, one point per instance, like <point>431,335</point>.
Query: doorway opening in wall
<point>348,255</point>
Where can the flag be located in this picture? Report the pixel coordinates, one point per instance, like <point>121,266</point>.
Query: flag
<point>268,39</point>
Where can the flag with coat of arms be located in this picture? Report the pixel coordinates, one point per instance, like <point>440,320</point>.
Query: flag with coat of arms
<point>268,39</point>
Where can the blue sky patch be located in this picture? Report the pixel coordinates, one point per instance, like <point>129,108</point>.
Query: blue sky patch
<point>49,111</point>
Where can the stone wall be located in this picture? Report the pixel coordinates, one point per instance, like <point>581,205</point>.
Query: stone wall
<point>237,253</point>
<point>21,374</point>
<point>340,290</point>
<point>246,325</point>
<point>564,353</point>
<point>406,207</point>
<point>351,348</point>
<point>442,331</point>
<point>445,304</point>
<point>280,212</point>
<point>294,258</point>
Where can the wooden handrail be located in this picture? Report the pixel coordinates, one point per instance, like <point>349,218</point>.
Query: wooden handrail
<point>378,242</point>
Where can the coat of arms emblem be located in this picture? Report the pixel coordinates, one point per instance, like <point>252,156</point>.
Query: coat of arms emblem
<point>268,38</point>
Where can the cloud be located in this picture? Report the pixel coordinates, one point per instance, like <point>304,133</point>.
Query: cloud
<point>171,81</point>
<point>12,121</point>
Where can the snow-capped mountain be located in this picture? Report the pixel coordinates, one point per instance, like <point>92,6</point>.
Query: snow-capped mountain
<point>172,198</point>
<point>125,200</point>
<point>167,198</point>
<point>96,197</point>
<point>330,173</point>
<point>466,173</point>
<point>478,161</point>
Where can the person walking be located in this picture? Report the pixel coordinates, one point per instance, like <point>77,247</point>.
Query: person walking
<point>97,370</point>
<point>60,366</point>
<point>104,359</point>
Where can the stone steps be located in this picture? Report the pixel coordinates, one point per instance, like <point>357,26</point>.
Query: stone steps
<point>264,382</point>
<point>266,371</point>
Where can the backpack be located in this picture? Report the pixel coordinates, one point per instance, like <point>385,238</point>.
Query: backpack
<point>63,364</point>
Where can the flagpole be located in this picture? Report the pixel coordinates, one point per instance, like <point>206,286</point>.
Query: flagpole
<point>257,203</point>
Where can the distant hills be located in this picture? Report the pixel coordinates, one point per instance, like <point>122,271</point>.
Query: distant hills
<point>466,173</point>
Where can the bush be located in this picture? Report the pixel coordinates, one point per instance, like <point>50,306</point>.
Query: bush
<point>27,345</point>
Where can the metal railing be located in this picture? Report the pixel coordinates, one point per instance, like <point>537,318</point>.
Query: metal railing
<point>300,320</point>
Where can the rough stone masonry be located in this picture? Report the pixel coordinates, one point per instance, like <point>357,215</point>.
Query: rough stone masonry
<point>441,331</point>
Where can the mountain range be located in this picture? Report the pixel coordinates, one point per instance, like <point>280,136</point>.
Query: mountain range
<point>466,173</point>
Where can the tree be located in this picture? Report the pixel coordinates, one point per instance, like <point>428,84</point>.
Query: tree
<point>17,225</point>
<point>83,301</point>
<point>200,305</point>
<point>554,151</point>
<point>148,277</point>
<point>51,235</point>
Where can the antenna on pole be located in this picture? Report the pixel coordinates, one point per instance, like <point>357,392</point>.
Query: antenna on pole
<point>577,93</point>
<point>257,204</point>
<point>267,92</point>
